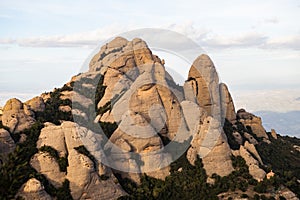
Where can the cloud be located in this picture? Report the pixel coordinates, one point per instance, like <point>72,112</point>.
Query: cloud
<point>245,40</point>
<point>204,37</point>
<point>273,100</point>
<point>272,20</point>
<point>89,39</point>
<point>209,39</point>
<point>287,42</point>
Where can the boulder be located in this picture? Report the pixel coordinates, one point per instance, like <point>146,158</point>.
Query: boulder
<point>251,148</point>
<point>16,117</point>
<point>53,136</point>
<point>45,96</point>
<point>7,144</point>
<point>250,138</point>
<point>253,164</point>
<point>79,172</point>
<point>252,121</point>
<point>287,194</point>
<point>65,108</point>
<point>135,149</point>
<point>36,104</point>
<point>237,137</point>
<point>274,134</point>
<point>99,189</point>
<point>33,190</point>
<point>48,166</point>
<point>121,65</point>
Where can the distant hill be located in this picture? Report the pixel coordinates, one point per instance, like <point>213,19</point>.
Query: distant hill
<point>284,123</point>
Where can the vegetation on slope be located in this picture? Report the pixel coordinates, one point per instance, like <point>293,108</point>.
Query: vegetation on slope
<point>52,113</point>
<point>17,170</point>
<point>190,182</point>
<point>281,156</point>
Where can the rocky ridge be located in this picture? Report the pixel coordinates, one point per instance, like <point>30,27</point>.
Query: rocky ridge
<point>141,111</point>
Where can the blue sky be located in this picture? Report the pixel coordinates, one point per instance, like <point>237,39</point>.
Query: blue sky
<point>255,45</point>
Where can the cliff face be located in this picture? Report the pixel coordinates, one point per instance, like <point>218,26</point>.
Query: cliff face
<point>125,119</point>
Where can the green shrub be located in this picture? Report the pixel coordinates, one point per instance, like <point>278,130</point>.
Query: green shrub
<point>52,113</point>
<point>260,187</point>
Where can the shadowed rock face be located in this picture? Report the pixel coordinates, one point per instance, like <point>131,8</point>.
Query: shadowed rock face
<point>227,105</point>
<point>7,144</point>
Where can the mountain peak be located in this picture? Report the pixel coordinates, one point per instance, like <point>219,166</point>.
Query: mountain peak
<point>125,128</point>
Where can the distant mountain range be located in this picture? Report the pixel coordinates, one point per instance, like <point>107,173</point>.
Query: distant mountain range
<point>287,123</point>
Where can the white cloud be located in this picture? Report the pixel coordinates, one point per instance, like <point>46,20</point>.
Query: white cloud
<point>287,42</point>
<point>204,37</point>
<point>273,20</point>
<point>246,40</point>
<point>88,39</point>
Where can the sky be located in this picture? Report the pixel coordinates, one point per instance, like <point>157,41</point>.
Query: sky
<point>255,45</point>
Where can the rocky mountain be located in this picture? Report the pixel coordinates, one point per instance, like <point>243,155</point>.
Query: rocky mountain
<point>125,130</point>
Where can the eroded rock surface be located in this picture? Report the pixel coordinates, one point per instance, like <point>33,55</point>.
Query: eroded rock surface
<point>33,190</point>
<point>36,104</point>
<point>209,142</point>
<point>47,165</point>
<point>17,116</point>
<point>252,121</point>
<point>135,149</point>
<point>7,144</point>
<point>252,163</point>
<point>82,172</point>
